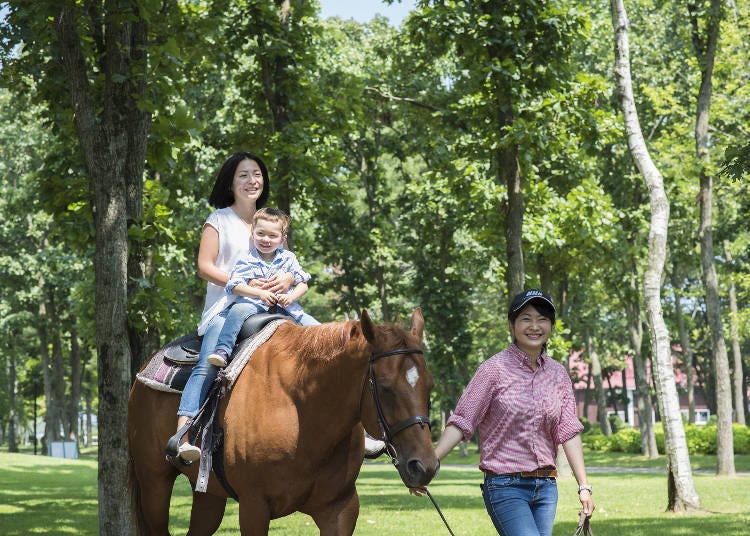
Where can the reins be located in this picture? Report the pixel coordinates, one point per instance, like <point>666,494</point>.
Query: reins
<point>389,432</point>
<point>435,504</point>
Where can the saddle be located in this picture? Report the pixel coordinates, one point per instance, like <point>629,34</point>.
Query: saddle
<point>170,367</point>
<point>169,370</point>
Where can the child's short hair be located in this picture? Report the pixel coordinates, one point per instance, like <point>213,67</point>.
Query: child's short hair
<point>274,215</point>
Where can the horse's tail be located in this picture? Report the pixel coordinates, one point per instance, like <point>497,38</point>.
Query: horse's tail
<point>136,502</point>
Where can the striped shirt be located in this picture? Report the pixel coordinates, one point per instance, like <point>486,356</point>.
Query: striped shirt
<point>253,266</point>
<point>522,414</point>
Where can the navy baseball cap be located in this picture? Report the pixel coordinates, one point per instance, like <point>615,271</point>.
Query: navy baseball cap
<point>527,296</point>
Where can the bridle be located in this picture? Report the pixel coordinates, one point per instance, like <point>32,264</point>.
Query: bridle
<point>389,432</point>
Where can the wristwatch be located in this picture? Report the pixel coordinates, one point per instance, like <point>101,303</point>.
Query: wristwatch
<point>585,487</point>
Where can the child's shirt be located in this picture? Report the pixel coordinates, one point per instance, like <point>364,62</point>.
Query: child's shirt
<point>253,266</point>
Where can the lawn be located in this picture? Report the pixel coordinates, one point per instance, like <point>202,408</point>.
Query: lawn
<point>42,495</point>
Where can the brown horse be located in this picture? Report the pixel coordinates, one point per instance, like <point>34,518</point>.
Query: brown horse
<point>293,438</point>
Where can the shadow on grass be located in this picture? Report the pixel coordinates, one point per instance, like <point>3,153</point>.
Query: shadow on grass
<point>675,525</point>
<point>48,498</point>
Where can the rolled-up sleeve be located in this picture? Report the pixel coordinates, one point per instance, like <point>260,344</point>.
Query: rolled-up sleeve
<point>242,272</point>
<point>474,402</point>
<point>293,266</point>
<point>569,425</point>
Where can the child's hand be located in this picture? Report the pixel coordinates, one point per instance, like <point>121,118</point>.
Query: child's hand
<point>267,297</point>
<point>284,300</point>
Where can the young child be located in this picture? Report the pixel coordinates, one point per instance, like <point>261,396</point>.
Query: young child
<point>266,257</point>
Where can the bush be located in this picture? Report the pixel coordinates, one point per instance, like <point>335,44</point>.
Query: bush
<point>586,424</point>
<point>595,440</point>
<point>626,440</point>
<point>700,439</point>
<point>660,443</point>
<point>741,439</point>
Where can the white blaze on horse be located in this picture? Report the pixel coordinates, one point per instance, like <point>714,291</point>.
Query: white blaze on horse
<point>292,425</point>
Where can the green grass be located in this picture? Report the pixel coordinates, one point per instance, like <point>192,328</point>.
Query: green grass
<point>42,495</point>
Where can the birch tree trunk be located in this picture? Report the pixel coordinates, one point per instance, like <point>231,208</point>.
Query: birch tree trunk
<point>706,54</point>
<point>682,495</point>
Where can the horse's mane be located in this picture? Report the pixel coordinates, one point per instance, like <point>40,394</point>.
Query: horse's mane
<point>326,341</point>
<point>322,342</point>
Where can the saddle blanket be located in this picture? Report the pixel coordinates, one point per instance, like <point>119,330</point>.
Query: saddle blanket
<point>162,374</point>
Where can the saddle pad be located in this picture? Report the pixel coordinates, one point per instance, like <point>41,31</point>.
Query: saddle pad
<point>162,374</point>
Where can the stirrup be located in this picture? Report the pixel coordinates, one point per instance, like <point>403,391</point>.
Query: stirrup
<point>173,445</point>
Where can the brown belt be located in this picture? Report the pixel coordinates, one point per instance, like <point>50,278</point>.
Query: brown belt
<point>545,472</point>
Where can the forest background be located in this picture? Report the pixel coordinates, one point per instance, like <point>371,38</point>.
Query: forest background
<point>475,150</point>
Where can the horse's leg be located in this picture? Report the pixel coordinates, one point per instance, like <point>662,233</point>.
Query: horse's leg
<point>206,514</point>
<point>152,493</point>
<point>254,517</point>
<point>339,518</point>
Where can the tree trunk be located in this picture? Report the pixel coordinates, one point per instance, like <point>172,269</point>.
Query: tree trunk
<point>12,403</point>
<point>57,402</point>
<point>687,350</point>
<point>75,382</point>
<point>706,54</point>
<point>52,416</point>
<point>369,180</point>
<point>277,82</point>
<point>682,495</point>
<point>734,333</point>
<point>601,399</point>
<point>642,388</point>
<point>509,173</point>
<point>111,127</point>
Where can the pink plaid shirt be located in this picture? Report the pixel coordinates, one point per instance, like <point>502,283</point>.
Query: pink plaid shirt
<point>522,414</point>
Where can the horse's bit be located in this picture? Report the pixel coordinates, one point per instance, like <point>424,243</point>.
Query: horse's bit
<point>389,432</point>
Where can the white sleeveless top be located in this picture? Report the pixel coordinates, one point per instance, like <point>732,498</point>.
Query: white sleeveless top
<point>234,243</point>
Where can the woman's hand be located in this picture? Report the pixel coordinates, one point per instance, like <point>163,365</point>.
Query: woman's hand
<point>279,283</point>
<point>587,502</point>
<point>418,492</point>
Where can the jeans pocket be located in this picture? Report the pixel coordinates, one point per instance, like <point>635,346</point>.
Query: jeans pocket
<point>499,481</point>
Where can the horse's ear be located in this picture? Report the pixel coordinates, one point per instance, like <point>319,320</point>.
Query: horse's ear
<point>368,328</point>
<point>417,322</point>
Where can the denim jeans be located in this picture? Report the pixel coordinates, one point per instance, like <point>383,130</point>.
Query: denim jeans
<point>196,388</point>
<point>303,320</point>
<point>235,315</point>
<point>521,506</point>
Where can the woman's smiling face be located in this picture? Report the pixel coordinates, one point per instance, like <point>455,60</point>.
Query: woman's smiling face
<point>531,330</point>
<point>248,180</point>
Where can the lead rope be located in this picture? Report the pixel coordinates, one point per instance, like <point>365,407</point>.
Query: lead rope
<point>439,512</point>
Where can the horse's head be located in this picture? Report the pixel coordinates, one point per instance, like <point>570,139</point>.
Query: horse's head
<point>396,404</point>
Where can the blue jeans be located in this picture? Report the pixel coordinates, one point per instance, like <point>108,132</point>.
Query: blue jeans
<point>235,315</point>
<point>521,506</point>
<point>303,320</point>
<point>238,312</point>
<point>196,388</point>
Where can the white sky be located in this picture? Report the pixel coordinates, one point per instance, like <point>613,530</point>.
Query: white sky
<point>365,10</point>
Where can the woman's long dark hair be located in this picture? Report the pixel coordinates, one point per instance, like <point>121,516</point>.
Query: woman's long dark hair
<point>222,195</point>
